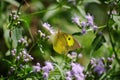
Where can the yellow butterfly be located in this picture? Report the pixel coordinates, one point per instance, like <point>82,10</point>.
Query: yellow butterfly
<point>64,42</point>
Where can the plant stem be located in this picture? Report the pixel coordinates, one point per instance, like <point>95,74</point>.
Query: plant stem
<point>112,43</point>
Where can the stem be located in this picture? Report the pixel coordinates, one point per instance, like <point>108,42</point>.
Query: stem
<point>61,72</point>
<point>10,40</point>
<point>112,43</point>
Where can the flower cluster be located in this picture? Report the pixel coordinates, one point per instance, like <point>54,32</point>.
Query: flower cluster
<point>37,67</point>
<point>76,72</point>
<point>74,56</point>
<point>42,39</point>
<point>99,66</point>
<point>22,55</point>
<point>85,24</point>
<point>22,42</point>
<point>48,27</point>
<point>14,18</point>
<point>46,69</point>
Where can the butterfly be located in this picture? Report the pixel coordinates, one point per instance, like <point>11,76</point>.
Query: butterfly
<point>64,42</point>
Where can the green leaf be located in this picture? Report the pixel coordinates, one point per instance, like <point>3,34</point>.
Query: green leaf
<point>97,42</point>
<point>117,20</point>
<point>51,11</point>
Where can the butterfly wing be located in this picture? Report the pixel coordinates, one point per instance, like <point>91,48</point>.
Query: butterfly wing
<point>59,43</point>
<point>71,42</point>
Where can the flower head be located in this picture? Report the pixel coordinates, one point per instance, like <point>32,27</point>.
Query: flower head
<point>36,68</point>
<point>76,20</point>
<point>49,65</point>
<point>68,78</point>
<point>90,20</point>
<point>45,75</point>
<point>100,67</point>
<point>77,71</point>
<point>48,27</point>
<point>46,69</point>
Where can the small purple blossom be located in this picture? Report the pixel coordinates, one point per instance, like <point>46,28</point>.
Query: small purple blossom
<point>83,30</point>
<point>23,41</point>
<point>75,72</point>
<point>13,52</point>
<point>68,74</point>
<point>74,54</point>
<point>68,78</point>
<point>45,75</point>
<point>93,62</point>
<point>95,27</point>
<point>78,77</point>
<point>49,65</point>
<point>46,69</point>
<point>48,27</point>
<point>21,66</point>
<point>23,55</point>
<point>76,20</point>
<point>110,59</point>
<point>90,20</point>
<point>37,67</point>
<point>100,67</point>
<point>83,24</point>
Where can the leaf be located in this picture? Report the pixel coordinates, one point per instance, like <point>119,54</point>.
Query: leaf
<point>51,11</point>
<point>17,34</point>
<point>97,42</point>
<point>117,20</point>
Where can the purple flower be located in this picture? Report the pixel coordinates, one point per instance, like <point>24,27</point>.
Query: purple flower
<point>45,75</point>
<point>13,52</point>
<point>75,72</point>
<point>49,65</point>
<point>68,74</point>
<point>48,27</point>
<point>90,20</point>
<point>83,30</point>
<point>78,77</point>
<point>100,67</point>
<point>74,54</point>
<point>110,59</point>
<point>83,24</point>
<point>37,67</point>
<point>95,27</point>
<point>23,41</point>
<point>76,20</point>
<point>77,69</point>
<point>46,69</point>
<point>68,78</point>
<point>93,62</point>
